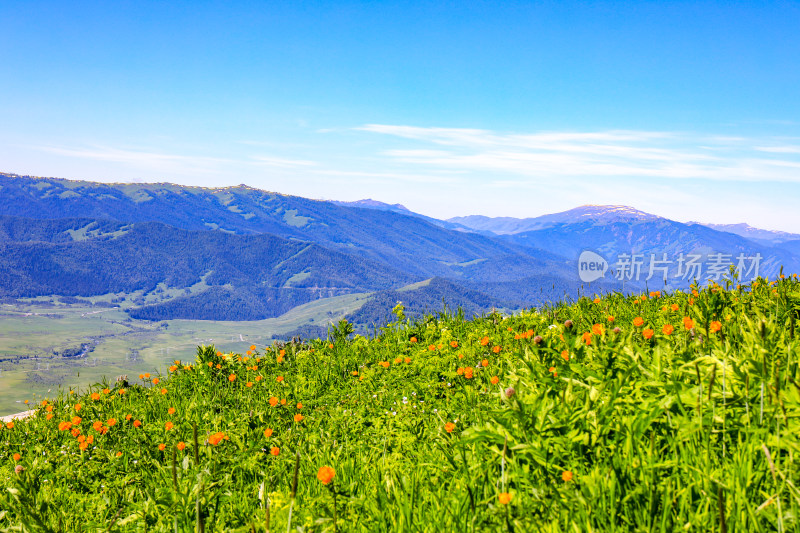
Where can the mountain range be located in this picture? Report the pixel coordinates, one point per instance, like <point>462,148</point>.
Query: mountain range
<point>240,253</point>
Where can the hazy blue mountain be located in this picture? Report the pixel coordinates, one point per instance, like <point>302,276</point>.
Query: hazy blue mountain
<point>654,236</point>
<point>793,247</point>
<point>761,236</point>
<point>602,214</point>
<point>228,277</point>
<point>398,208</point>
<point>406,242</point>
<point>369,203</point>
<point>239,253</point>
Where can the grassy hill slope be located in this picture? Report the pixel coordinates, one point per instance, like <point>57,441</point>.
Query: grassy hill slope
<point>641,412</point>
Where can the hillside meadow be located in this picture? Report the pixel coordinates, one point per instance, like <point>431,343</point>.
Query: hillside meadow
<point>649,412</point>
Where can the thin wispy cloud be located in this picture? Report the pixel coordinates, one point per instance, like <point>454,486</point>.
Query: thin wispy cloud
<point>135,157</point>
<point>622,153</point>
<point>779,149</point>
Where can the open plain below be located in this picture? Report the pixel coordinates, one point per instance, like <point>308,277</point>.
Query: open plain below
<point>106,343</point>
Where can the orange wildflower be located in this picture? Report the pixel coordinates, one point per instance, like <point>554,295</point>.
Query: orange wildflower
<point>275,451</point>
<point>597,329</point>
<point>76,420</point>
<point>325,474</point>
<point>279,379</point>
<point>485,363</point>
<point>565,355</point>
<point>216,438</point>
<point>95,396</point>
<point>587,338</point>
<point>163,391</point>
<point>449,427</point>
<point>504,498</point>
<point>161,447</point>
<point>273,401</point>
<point>468,372</point>
<point>647,333</point>
<point>168,426</point>
<point>432,347</point>
<point>97,426</point>
<point>268,432</point>
<point>496,349</point>
<point>171,410</point>
<point>667,329</point>
<point>298,417</point>
<point>566,475</point>
<point>17,457</point>
<point>413,339</point>
<point>638,321</point>
<point>181,445</point>
<point>248,384</point>
<point>232,378</point>
<point>155,381</point>
<point>137,423</point>
<point>674,307</point>
<point>484,341</point>
<point>494,380</point>
<point>453,344</point>
<point>688,323</point>
<point>283,401</point>
<point>715,326</point>
<point>111,422</point>
<point>78,407</point>
<point>407,360</point>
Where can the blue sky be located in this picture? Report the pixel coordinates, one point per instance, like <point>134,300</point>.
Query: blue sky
<point>688,110</point>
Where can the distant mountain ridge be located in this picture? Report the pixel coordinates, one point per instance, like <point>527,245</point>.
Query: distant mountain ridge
<point>764,236</point>
<point>241,253</point>
<point>408,243</point>
<point>369,203</point>
<point>599,214</point>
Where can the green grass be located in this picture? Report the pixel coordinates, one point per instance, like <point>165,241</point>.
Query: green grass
<point>434,424</point>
